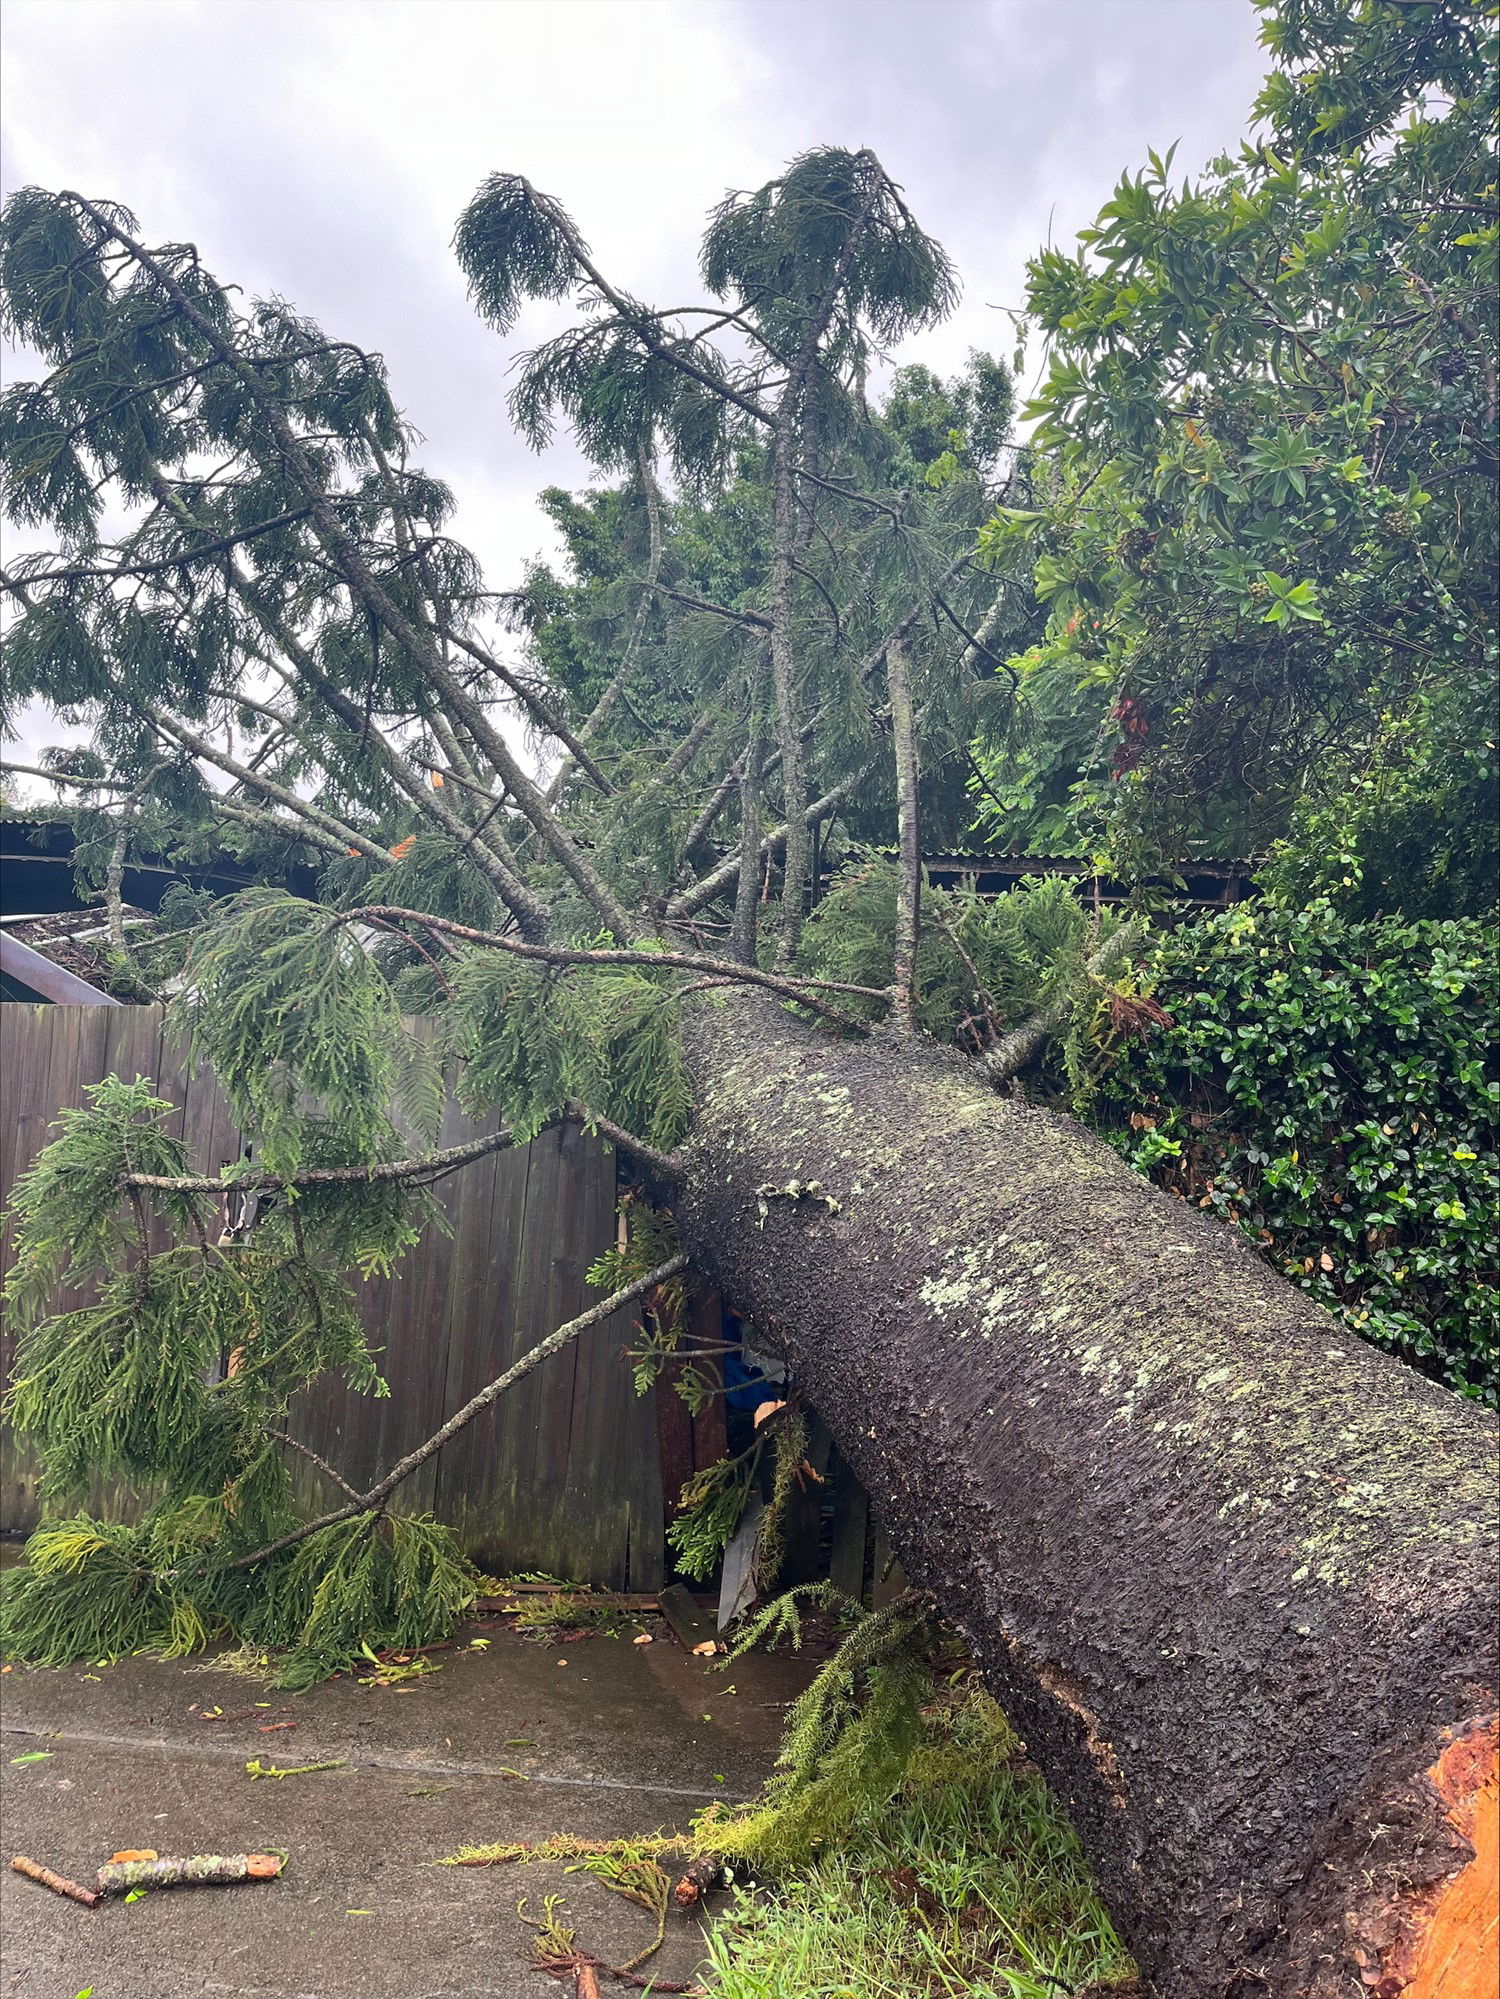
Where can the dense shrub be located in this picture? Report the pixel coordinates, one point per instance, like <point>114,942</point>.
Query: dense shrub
<point>1326,1086</point>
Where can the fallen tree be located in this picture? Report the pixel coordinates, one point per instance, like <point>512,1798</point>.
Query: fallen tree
<point>1233,1572</point>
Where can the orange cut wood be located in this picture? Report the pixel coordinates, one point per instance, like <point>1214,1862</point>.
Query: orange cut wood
<point>1460,1948</point>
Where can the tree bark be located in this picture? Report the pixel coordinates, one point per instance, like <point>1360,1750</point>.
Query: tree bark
<point>1232,1572</point>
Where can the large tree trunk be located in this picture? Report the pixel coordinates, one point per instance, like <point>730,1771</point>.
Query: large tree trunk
<point>1232,1572</point>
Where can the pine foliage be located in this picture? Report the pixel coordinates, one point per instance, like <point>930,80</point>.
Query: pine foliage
<point>534,1037</point>
<point>387,1579</point>
<point>66,1207</point>
<point>175,1377</point>
<point>91,1589</point>
<point>983,963</point>
<point>709,1509</point>
<point>849,1737</point>
<point>287,1004</point>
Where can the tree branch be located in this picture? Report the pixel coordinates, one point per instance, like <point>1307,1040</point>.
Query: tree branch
<point>621,675</point>
<point>303,808</point>
<point>307,1451</point>
<point>366,588</point>
<point>378,1493</point>
<point>909,877</point>
<point>1014,1050</point>
<point>803,992</point>
<point>432,1164</point>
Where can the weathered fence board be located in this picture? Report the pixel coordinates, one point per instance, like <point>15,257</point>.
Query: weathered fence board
<point>563,1474</point>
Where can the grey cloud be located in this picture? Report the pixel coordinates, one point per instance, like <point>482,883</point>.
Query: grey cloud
<point>321,149</point>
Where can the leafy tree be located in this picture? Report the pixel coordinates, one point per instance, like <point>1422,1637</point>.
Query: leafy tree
<point>1270,431</point>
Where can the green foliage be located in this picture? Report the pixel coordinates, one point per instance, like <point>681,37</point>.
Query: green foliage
<point>378,1580</point>
<point>848,1736</point>
<point>983,963</point>
<point>966,1878</point>
<point>90,1589</point>
<point>535,1036</point>
<point>511,248</point>
<point>649,1238</point>
<point>93,1590</point>
<point>885,1784</point>
<point>286,1001</point>
<point>832,220</point>
<point>709,1509</point>
<point>69,1209</point>
<point>1410,828</point>
<point>966,421</point>
<point>1266,453</point>
<point>119,1386</point>
<point>174,1377</point>
<point>788,1455</point>
<point>639,1879</point>
<point>544,1619</point>
<point>1327,1087</point>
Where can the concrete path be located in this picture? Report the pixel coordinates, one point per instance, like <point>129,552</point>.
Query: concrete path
<point>619,1740</point>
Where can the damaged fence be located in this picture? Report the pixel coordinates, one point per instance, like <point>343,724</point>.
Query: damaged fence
<point>571,1474</point>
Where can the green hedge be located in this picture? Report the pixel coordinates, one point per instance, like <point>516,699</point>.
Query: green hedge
<point>1326,1085</point>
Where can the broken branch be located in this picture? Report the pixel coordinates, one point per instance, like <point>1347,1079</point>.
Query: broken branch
<point>58,1883</point>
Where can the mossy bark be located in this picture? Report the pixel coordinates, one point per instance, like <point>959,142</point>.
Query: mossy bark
<point>1232,1571</point>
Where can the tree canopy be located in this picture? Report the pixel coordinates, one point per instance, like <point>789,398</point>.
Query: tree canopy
<point>1265,544</point>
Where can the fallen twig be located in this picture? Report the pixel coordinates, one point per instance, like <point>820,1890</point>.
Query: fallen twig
<point>188,1871</point>
<point>255,1768</point>
<point>58,1883</point>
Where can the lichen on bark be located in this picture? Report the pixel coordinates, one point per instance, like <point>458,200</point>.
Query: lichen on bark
<point>1219,1558</point>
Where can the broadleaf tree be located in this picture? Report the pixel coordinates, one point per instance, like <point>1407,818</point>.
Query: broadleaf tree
<point>1269,421</point>
<point>1099,1424</point>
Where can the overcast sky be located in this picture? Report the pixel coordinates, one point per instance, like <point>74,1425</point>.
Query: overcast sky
<point>322,149</point>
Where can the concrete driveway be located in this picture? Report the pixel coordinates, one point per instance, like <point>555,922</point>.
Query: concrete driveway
<point>606,1738</point>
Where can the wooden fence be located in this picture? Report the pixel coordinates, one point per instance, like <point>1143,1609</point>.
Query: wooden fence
<point>562,1475</point>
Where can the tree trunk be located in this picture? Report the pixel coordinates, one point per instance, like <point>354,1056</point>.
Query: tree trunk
<point>1231,1571</point>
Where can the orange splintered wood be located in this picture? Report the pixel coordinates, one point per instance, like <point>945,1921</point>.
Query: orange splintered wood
<point>1461,1943</point>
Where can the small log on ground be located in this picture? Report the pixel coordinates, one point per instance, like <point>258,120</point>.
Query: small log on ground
<point>195,1870</point>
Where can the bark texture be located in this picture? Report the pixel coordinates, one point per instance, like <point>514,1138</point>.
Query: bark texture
<point>1232,1572</point>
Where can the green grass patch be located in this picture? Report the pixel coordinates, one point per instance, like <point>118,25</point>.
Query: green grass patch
<point>967,1880</point>
<point>545,1619</point>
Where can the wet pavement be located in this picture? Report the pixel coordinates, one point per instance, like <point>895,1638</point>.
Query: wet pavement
<point>509,1741</point>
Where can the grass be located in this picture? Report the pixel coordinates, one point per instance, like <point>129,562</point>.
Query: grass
<point>905,1849</point>
<point>969,1881</point>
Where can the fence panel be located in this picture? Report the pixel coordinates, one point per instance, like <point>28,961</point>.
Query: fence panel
<point>563,1474</point>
